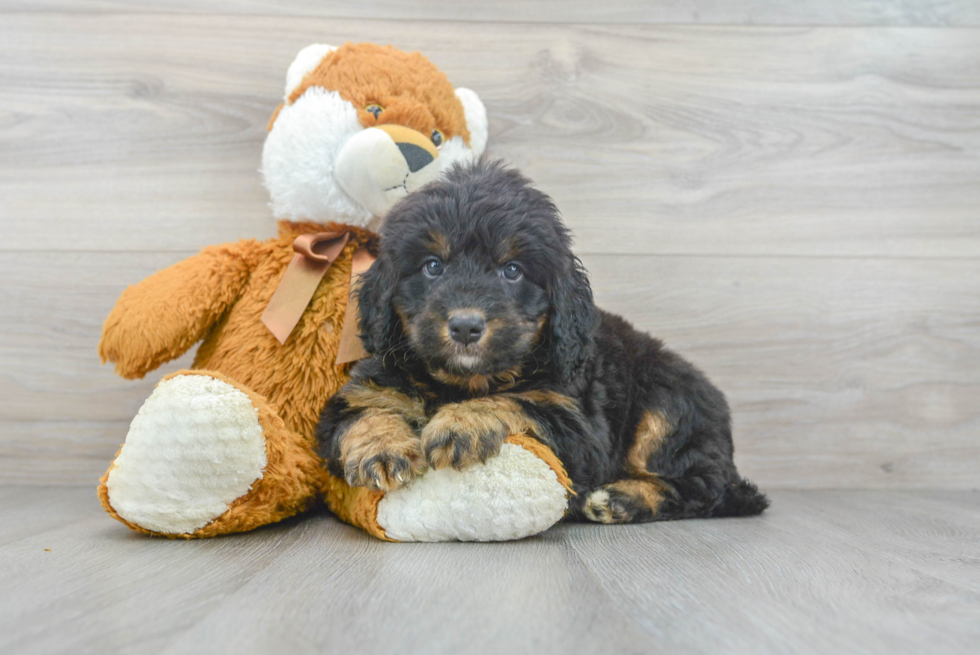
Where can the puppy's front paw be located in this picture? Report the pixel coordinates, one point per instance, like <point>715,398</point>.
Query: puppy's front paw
<point>463,434</point>
<point>381,452</point>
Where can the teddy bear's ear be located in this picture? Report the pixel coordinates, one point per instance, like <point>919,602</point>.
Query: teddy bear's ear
<point>307,59</point>
<point>476,119</point>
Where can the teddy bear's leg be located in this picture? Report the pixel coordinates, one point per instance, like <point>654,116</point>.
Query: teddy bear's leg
<point>520,492</point>
<point>208,456</point>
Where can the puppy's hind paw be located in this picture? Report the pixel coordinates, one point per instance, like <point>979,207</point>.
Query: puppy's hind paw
<point>600,507</point>
<point>625,501</point>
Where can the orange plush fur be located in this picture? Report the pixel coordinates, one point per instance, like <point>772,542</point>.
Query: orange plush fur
<point>407,86</point>
<point>289,383</point>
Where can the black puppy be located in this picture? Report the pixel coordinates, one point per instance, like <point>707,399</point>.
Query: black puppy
<point>481,325</point>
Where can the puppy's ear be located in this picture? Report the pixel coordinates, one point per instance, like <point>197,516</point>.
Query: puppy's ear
<point>573,320</point>
<point>377,321</point>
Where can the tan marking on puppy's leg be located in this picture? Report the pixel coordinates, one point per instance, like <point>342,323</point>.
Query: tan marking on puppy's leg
<point>548,397</point>
<point>626,501</point>
<point>461,434</point>
<point>381,451</point>
<point>371,396</point>
<point>596,507</point>
<point>649,435</point>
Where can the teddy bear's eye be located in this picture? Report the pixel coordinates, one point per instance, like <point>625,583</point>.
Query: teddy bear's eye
<point>437,138</point>
<point>375,109</point>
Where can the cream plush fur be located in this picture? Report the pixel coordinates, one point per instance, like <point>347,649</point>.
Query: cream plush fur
<point>512,496</point>
<point>194,447</point>
<point>299,157</point>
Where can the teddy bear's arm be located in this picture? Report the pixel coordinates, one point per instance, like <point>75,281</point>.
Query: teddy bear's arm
<point>161,317</point>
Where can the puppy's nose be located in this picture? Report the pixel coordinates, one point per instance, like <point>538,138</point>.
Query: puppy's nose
<point>417,158</point>
<point>466,327</point>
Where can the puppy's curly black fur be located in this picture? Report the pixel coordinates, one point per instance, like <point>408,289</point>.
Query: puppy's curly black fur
<point>481,324</point>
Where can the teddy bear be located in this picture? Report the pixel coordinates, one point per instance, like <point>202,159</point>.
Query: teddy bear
<point>228,445</point>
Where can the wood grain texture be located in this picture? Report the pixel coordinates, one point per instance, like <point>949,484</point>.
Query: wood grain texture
<point>841,372</point>
<point>136,132</point>
<point>705,12</point>
<point>821,572</point>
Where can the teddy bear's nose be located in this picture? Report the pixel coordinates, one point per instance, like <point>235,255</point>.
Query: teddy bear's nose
<point>417,158</point>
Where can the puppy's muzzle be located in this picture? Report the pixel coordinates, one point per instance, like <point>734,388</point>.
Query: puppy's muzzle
<point>381,165</point>
<point>466,327</point>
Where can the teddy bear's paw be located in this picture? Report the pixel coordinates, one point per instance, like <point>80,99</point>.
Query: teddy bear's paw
<point>513,495</point>
<point>195,446</point>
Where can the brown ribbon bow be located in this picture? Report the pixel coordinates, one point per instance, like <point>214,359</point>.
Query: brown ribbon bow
<point>314,255</point>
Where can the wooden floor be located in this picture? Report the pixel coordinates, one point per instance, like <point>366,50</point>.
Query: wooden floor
<point>822,572</point>
<point>787,192</point>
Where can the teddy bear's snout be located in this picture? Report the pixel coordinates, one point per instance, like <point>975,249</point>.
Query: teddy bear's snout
<point>382,164</point>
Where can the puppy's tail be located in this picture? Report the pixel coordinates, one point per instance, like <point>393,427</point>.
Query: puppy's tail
<point>742,498</point>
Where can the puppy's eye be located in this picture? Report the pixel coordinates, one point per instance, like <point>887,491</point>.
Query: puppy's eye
<point>511,272</point>
<point>432,267</point>
<point>437,138</point>
<point>375,109</point>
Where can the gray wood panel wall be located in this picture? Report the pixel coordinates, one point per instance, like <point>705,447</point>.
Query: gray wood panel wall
<point>786,194</point>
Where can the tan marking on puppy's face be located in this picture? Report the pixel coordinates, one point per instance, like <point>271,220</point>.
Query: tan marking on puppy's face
<point>649,435</point>
<point>381,451</point>
<point>539,329</point>
<point>407,88</point>
<point>479,385</point>
<point>511,251</point>
<point>438,245</point>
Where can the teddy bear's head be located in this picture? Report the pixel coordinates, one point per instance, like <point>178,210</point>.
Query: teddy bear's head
<point>360,127</point>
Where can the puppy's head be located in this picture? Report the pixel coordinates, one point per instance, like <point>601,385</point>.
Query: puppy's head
<point>476,279</point>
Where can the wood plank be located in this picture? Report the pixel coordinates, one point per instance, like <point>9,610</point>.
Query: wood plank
<point>144,132</point>
<point>841,372</point>
<point>853,571</point>
<point>783,581</point>
<point>704,12</point>
<point>30,510</point>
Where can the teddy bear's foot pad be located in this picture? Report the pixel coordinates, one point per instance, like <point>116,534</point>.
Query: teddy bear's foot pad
<point>514,495</point>
<point>195,446</point>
